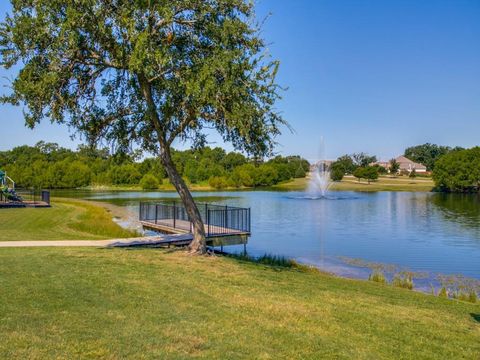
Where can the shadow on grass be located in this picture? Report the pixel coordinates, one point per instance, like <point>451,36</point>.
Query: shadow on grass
<point>476,317</point>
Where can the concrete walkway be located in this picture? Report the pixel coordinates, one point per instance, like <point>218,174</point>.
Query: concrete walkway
<point>177,239</point>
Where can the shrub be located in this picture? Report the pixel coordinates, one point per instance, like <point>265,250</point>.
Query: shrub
<point>359,173</point>
<point>394,167</point>
<point>300,172</point>
<point>403,280</point>
<point>377,276</point>
<point>267,259</point>
<point>337,171</point>
<point>149,182</point>
<point>381,170</point>
<point>124,175</point>
<point>369,173</point>
<point>472,297</point>
<point>413,174</point>
<point>458,171</point>
<point>218,182</point>
<point>443,292</point>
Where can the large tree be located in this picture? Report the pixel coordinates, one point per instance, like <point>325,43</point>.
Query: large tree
<point>148,72</point>
<point>427,154</point>
<point>458,171</point>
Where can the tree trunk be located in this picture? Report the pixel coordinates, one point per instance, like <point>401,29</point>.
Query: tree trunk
<point>198,245</point>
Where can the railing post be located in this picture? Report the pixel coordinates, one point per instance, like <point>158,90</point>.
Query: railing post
<point>156,214</point>
<point>208,222</point>
<point>174,215</point>
<point>226,219</point>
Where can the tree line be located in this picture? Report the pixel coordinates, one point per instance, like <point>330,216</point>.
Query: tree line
<point>453,169</point>
<point>47,165</point>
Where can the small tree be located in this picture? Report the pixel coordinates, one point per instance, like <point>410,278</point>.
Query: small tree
<point>362,159</point>
<point>149,182</point>
<point>347,163</point>
<point>359,173</point>
<point>370,173</point>
<point>394,167</point>
<point>336,171</point>
<point>145,72</point>
<point>413,174</point>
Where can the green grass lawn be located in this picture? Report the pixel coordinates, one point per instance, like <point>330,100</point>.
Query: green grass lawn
<point>153,304</point>
<point>65,220</point>
<point>384,183</point>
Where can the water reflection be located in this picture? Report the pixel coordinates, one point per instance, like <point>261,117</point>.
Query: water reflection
<point>463,209</point>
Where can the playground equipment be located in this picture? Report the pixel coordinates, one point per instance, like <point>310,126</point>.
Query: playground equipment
<point>11,197</point>
<point>8,193</point>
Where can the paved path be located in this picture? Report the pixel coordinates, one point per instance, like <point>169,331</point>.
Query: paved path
<point>177,239</point>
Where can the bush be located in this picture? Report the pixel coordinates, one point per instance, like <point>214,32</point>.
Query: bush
<point>337,171</point>
<point>266,175</point>
<point>443,292</point>
<point>381,170</point>
<point>472,297</point>
<point>359,173</point>
<point>458,171</point>
<point>403,280</point>
<point>394,167</point>
<point>300,172</point>
<point>149,182</point>
<point>218,182</point>
<point>369,173</point>
<point>377,276</point>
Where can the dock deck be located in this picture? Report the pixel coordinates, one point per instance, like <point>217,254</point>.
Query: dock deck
<point>224,225</point>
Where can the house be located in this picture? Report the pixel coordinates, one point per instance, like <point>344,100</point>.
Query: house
<point>409,165</point>
<point>405,165</point>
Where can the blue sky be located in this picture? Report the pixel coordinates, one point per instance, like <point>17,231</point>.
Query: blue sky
<point>374,76</point>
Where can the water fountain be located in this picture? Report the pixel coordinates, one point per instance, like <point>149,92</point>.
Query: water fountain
<point>319,176</point>
<point>319,180</point>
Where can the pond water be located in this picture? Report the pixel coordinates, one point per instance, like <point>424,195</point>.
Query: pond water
<point>425,232</point>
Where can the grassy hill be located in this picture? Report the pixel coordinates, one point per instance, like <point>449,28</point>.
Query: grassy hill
<point>65,220</point>
<point>150,304</point>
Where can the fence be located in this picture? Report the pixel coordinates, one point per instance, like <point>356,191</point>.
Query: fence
<point>29,197</point>
<point>218,220</point>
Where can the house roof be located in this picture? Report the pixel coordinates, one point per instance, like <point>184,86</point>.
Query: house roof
<point>407,163</point>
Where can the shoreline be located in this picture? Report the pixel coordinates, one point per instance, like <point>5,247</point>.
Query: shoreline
<point>336,266</point>
<point>349,183</point>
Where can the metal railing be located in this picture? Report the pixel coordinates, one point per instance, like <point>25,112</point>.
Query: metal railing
<point>218,219</point>
<point>28,197</point>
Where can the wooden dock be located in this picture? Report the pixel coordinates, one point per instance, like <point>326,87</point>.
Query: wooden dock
<point>181,235</point>
<point>185,227</point>
<point>224,225</point>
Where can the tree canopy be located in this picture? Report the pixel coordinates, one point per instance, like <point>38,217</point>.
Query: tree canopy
<point>47,165</point>
<point>369,173</point>
<point>458,171</point>
<point>427,154</point>
<point>145,72</point>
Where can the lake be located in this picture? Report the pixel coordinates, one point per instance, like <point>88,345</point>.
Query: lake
<point>424,232</point>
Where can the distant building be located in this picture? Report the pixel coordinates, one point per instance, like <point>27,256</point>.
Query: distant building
<point>405,165</point>
<point>409,165</point>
